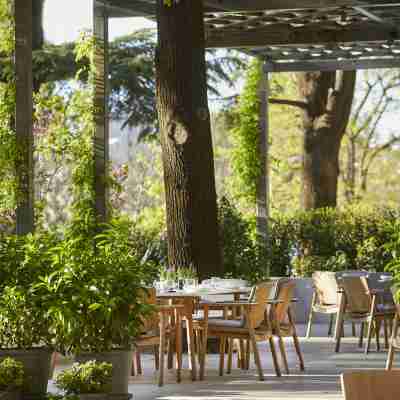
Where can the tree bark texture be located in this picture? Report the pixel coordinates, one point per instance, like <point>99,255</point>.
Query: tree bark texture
<point>329,97</point>
<point>184,119</point>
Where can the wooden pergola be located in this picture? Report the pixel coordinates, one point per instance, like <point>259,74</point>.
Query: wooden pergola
<point>288,35</point>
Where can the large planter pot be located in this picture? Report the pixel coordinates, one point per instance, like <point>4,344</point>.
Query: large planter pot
<point>93,396</point>
<point>10,395</point>
<point>121,362</point>
<point>303,292</point>
<point>37,368</point>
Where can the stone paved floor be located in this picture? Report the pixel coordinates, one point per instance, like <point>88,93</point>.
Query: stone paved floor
<point>319,381</point>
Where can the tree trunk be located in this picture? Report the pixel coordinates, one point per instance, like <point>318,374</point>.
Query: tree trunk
<point>186,139</point>
<point>329,97</point>
<point>37,34</point>
<point>350,180</point>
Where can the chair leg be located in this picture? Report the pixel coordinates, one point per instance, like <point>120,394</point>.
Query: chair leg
<point>283,354</point>
<point>353,329</point>
<point>133,371</point>
<point>230,354</point>
<point>361,339</point>
<point>178,346</point>
<point>170,353</point>
<point>298,350</point>
<point>138,362</point>
<point>222,344</point>
<point>274,357</point>
<point>157,357</point>
<point>395,327</point>
<point>191,350</point>
<point>330,325</point>
<point>310,316</point>
<point>385,329</point>
<point>242,354</point>
<point>256,356</point>
<point>248,349</point>
<point>339,336</point>
<point>369,335</point>
<point>162,350</point>
<point>203,352</point>
<point>377,333</point>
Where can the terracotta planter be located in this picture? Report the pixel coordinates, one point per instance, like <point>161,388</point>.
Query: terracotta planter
<point>121,362</point>
<point>37,368</point>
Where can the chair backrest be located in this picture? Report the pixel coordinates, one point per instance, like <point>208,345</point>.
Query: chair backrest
<point>326,287</point>
<point>356,292</point>
<point>371,385</point>
<point>382,281</point>
<point>151,322</point>
<point>260,294</point>
<point>285,294</point>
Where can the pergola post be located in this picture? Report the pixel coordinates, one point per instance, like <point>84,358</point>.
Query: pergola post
<point>262,209</point>
<point>24,117</point>
<point>101,118</point>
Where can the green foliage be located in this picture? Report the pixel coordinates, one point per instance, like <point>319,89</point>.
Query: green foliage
<point>96,288</point>
<point>245,136</point>
<point>11,375</point>
<point>24,318</point>
<point>8,149</point>
<point>87,378</point>
<point>242,256</point>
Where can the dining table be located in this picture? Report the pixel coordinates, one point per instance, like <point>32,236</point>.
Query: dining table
<point>190,298</point>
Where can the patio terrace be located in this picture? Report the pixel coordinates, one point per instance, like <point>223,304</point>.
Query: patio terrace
<point>319,381</point>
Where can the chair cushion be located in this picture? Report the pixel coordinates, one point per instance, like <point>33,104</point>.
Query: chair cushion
<point>224,323</point>
<point>326,308</point>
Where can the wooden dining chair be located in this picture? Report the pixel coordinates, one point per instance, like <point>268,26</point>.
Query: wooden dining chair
<point>371,385</point>
<point>394,340</point>
<point>282,320</point>
<point>324,299</point>
<point>248,328</point>
<point>163,326</point>
<point>359,304</point>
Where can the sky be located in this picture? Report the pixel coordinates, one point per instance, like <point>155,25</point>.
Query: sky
<point>63,21</point>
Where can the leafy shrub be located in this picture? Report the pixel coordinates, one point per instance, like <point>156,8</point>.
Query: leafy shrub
<point>11,374</point>
<point>24,318</point>
<point>242,256</point>
<point>85,378</point>
<point>96,288</point>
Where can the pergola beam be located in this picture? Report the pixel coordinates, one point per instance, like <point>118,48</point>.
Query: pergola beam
<point>331,65</point>
<point>128,8</point>
<point>274,5</point>
<point>24,117</point>
<point>101,137</point>
<point>281,35</point>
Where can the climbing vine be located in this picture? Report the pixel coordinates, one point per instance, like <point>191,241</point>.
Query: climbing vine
<point>245,136</point>
<point>7,105</point>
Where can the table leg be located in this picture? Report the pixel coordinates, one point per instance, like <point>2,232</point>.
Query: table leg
<point>191,349</point>
<point>162,349</point>
<point>178,344</point>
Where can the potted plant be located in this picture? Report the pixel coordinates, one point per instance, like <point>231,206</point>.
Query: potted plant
<point>26,332</point>
<point>89,381</point>
<point>97,297</point>
<point>11,379</point>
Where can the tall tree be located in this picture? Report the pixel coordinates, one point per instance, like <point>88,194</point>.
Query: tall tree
<point>186,141</point>
<point>328,98</point>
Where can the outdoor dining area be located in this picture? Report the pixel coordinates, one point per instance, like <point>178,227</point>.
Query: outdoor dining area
<point>238,317</point>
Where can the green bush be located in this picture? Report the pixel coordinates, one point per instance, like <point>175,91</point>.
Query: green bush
<point>24,318</point>
<point>242,256</point>
<point>11,375</point>
<point>87,378</point>
<point>96,288</point>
